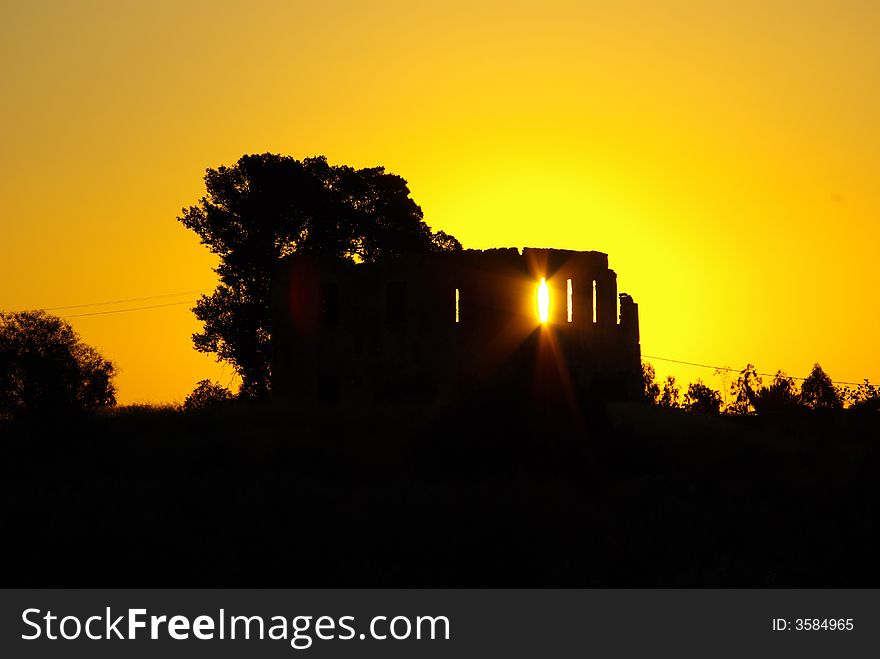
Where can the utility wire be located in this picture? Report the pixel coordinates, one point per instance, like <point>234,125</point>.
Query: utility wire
<point>149,306</point>
<point>738,370</point>
<point>130,299</point>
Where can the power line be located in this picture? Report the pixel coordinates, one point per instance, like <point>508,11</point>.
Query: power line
<point>130,299</point>
<point>738,370</point>
<point>149,306</point>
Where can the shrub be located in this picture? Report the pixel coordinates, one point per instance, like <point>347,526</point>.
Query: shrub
<point>208,395</point>
<point>702,398</point>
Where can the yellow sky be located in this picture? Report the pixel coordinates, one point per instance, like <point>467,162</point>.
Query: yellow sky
<point>724,154</point>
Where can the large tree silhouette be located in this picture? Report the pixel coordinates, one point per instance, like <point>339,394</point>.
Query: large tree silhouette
<point>268,206</point>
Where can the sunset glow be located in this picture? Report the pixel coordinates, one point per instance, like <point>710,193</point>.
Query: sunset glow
<point>725,155</point>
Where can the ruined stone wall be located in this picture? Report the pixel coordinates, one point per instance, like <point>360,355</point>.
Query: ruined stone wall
<point>436,327</point>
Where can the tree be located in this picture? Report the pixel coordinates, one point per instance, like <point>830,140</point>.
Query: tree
<point>268,206</point>
<point>670,395</point>
<point>46,369</point>
<point>780,396</point>
<point>207,395</point>
<point>650,388</point>
<point>702,398</point>
<point>723,374</point>
<point>744,391</point>
<point>818,392</point>
<point>865,397</point>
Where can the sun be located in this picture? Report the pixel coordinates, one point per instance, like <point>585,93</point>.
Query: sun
<point>543,301</point>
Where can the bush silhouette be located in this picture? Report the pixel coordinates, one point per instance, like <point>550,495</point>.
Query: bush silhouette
<point>45,369</point>
<point>865,396</point>
<point>702,398</point>
<point>207,395</point>
<point>780,396</point>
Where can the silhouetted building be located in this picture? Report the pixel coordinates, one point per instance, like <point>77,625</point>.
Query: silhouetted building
<point>440,326</point>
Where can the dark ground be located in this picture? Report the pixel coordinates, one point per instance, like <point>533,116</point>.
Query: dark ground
<point>495,493</point>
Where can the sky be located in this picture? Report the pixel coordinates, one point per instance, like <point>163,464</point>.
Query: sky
<point>724,154</point>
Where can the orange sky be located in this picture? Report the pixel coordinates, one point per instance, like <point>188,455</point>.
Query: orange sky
<point>725,155</point>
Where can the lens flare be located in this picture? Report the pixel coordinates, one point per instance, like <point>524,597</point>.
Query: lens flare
<point>543,301</point>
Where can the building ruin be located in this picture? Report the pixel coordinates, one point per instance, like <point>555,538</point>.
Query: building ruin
<point>437,327</point>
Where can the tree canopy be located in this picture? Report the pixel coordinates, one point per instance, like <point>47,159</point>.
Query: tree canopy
<point>781,395</point>
<point>45,368</point>
<point>207,395</point>
<point>268,206</point>
<point>650,388</point>
<point>818,391</point>
<point>670,394</point>
<point>702,398</point>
